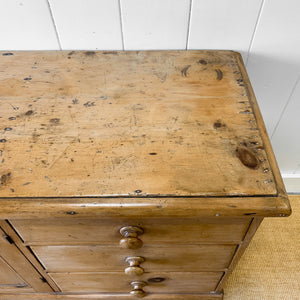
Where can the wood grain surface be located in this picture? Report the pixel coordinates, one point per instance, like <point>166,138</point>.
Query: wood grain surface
<point>94,258</point>
<point>167,123</point>
<point>108,296</point>
<point>156,230</point>
<point>171,283</point>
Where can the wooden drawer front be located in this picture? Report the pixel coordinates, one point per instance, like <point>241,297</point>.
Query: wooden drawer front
<point>156,230</point>
<point>102,258</point>
<point>10,281</point>
<point>117,283</point>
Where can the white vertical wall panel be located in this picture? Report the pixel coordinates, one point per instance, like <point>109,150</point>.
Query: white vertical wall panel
<point>223,24</point>
<point>286,139</point>
<point>88,24</point>
<point>26,25</point>
<point>274,59</point>
<point>155,24</point>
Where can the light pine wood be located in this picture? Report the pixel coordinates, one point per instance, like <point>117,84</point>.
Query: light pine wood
<point>165,152</point>
<point>26,251</point>
<point>10,281</point>
<point>28,208</point>
<point>156,230</point>
<point>18,262</point>
<point>240,250</point>
<point>128,123</point>
<point>173,283</point>
<point>108,296</point>
<point>267,144</point>
<point>111,258</point>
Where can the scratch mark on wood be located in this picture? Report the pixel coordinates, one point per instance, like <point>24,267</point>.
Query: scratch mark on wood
<point>219,74</point>
<point>14,107</point>
<point>184,71</point>
<point>89,104</point>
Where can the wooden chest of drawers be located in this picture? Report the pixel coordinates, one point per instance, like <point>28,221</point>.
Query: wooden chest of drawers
<point>129,174</point>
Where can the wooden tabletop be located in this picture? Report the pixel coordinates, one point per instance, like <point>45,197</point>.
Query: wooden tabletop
<point>147,123</point>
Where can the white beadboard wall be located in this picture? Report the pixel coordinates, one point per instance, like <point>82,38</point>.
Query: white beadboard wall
<point>266,32</point>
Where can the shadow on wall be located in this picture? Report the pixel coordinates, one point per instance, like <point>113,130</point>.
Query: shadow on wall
<point>273,81</point>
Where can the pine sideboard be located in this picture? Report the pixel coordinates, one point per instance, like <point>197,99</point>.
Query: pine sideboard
<point>129,174</point>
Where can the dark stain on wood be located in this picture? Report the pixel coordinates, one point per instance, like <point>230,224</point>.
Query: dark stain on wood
<point>152,153</point>
<point>54,121</point>
<point>247,157</point>
<point>27,78</point>
<point>218,124</point>
<point>249,214</point>
<point>202,62</point>
<point>90,53</point>
<point>71,213</point>
<point>184,71</point>
<point>89,104</point>
<point>110,52</point>
<point>219,74</point>
<point>156,279</point>
<point>29,113</point>
<point>71,53</point>
<point>5,178</point>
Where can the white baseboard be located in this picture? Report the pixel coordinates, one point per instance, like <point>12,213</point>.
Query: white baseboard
<point>292,182</point>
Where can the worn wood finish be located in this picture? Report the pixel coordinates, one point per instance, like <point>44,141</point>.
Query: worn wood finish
<point>170,146</point>
<point>240,250</point>
<point>28,208</point>
<point>107,231</point>
<point>112,258</point>
<point>26,252</point>
<point>128,123</point>
<point>11,254</point>
<point>10,281</point>
<point>172,283</point>
<point>108,296</point>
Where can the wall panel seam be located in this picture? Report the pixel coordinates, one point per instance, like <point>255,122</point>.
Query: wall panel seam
<point>54,25</point>
<point>189,25</point>
<point>254,31</point>
<point>121,25</point>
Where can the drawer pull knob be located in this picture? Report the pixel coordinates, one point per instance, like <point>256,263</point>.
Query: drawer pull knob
<point>138,289</point>
<point>134,268</point>
<point>131,240</point>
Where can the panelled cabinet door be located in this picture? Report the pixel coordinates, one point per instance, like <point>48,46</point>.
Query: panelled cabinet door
<point>10,281</point>
<point>16,272</point>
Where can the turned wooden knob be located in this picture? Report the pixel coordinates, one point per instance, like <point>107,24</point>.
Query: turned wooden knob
<point>138,289</point>
<point>134,268</point>
<point>131,240</point>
